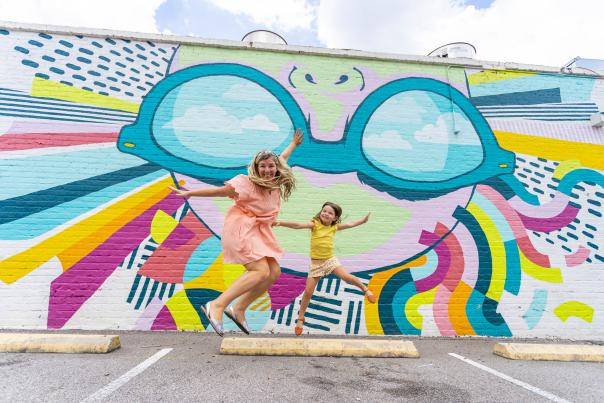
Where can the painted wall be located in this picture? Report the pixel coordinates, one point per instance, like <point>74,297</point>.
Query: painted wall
<point>485,188</point>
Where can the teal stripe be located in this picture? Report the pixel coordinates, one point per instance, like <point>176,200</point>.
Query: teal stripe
<point>39,223</point>
<point>322,318</point>
<point>349,317</point>
<point>327,300</point>
<point>324,309</point>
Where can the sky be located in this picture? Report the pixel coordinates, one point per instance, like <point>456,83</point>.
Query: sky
<point>545,32</point>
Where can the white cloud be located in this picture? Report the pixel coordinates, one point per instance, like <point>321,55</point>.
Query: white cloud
<point>213,118</point>
<point>259,122</point>
<point>278,14</point>
<point>130,15</point>
<point>548,32</point>
<point>443,131</point>
<point>389,139</point>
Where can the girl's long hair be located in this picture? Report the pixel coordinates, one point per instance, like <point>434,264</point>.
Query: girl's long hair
<point>284,178</point>
<point>337,209</point>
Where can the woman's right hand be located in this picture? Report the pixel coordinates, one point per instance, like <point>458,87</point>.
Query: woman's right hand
<point>179,192</point>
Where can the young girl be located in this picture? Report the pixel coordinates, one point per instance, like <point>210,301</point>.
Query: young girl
<point>323,262</point>
<point>247,237</point>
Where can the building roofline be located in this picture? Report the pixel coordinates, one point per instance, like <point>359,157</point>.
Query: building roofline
<point>306,50</point>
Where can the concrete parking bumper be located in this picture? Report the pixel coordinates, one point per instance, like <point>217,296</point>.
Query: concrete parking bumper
<point>550,352</point>
<point>318,347</point>
<point>57,343</point>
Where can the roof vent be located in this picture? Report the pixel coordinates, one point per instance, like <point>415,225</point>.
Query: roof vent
<point>455,49</point>
<point>265,36</point>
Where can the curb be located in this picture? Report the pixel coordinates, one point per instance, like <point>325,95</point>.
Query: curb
<point>550,352</point>
<point>57,343</point>
<point>318,347</point>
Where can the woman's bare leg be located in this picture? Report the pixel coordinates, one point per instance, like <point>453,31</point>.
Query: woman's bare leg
<point>250,296</point>
<point>257,273</point>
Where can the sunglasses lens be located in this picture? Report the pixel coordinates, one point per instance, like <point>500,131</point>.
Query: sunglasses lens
<point>421,136</point>
<point>220,121</point>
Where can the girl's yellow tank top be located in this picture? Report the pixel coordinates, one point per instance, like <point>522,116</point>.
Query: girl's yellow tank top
<point>321,240</point>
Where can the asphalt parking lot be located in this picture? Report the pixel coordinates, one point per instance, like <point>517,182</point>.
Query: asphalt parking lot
<point>171,366</point>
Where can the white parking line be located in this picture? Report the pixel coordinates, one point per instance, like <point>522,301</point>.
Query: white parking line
<point>508,378</point>
<point>119,382</point>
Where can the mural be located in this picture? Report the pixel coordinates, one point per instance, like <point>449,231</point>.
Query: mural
<point>485,187</point>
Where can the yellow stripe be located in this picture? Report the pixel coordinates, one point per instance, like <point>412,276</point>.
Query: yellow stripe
<point>78,240</point>
<point>589,155</point>
<point>490,76</point>
<point>184,315</point>
<point>497,250</point>
<point>549,275</point>
<point>51,89</point>
<point>413,304</point>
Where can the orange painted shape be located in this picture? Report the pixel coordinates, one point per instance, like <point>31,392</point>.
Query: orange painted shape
<point>457,310</point>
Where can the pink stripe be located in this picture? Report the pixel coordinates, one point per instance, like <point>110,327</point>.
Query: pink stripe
<point>440,309</point>
<point>13,142</point>
<point>516,223</point>
<point>444,261</point>
<point>551,223</point>
<point>578,257</point>
<point>470,252</point>
<point>73,288</point>
<point>547,210</point>
<point>457,259</point>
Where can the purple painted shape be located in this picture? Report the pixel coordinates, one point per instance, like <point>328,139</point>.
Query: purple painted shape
<point>444,261</point>
<point>550,224</point>
<point>164,320</point>
<point>285,290</point>
<point>73,288</point>
<point>180,236</point>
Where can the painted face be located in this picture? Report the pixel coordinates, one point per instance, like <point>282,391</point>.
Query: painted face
<point>409,149</point>
<point>267,168</point>
<point>328,215</point>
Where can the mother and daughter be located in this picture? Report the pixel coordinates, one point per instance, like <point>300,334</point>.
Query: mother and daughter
<point>248,239</point>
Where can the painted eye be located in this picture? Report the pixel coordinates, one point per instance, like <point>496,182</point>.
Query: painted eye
<point>310,79</point>
<point>343,78</point>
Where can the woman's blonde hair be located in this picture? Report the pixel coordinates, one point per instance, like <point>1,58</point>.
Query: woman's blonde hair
<point>284,178</point>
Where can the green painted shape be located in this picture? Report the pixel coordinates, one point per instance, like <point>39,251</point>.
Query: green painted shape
<point>385,222</point>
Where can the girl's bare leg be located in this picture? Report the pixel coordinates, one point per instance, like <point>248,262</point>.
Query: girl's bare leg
<point>354,280</point>
<point>311,284</point>
<point>257,273</point>
<point>250,296</point>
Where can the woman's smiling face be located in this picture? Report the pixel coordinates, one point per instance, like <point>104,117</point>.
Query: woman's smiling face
<point>267,168</point>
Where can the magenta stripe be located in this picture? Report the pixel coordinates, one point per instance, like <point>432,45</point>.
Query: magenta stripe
<point>552,223</point>
<point>73,288</point>
<point>444,261</point>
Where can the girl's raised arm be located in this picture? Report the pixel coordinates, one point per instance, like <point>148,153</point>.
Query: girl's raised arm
<point>223,191</point>
<point>354,223</point>
<point>296,141</point>
<point>293,225</point>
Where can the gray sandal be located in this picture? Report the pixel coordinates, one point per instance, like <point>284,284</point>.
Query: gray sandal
<point>216,325</point>
<point>230,312</point>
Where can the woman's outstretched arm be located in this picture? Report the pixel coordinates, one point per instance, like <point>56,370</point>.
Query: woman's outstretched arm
<point>296,141</point>
<point>223,191</point>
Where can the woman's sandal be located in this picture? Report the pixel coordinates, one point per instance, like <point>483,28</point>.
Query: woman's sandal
<point>298,330</point>
<point>230,312</point>
<point>370,296</point>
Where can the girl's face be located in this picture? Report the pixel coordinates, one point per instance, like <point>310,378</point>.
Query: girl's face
<point>267,168</point>
<point>328,215</point>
